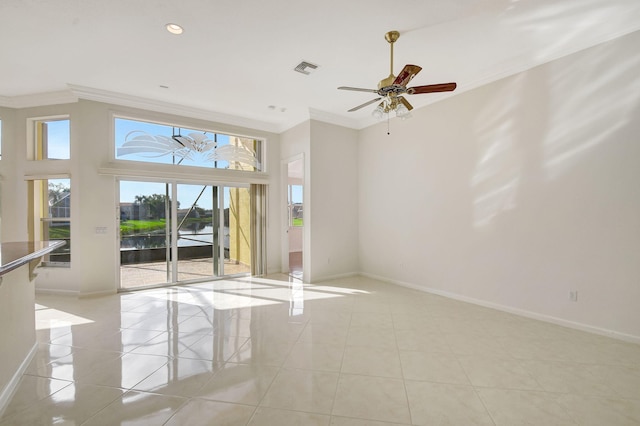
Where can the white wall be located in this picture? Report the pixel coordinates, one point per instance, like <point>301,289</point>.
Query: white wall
<point>7,168</point>
<point>63,280</point>
<point>296,143</point>
<point>333,212</point>
<point>18,331</point>
<point>516,193</point>
<point>330,243</point>
<point>93,195</point>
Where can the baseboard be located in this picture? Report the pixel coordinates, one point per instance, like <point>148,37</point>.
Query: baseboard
<point>11,387</point>
<point>335,277</point>
<point>56,292</point>
<point>97,294</point>
<point>516,311</point>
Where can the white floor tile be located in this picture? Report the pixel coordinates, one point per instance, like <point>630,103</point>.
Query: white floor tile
<point>497,373</point>
<point>302,390</point>
<point>265,416</point>
<point>200,412</point>
<point>239,383</point>
<point>433,367</point>
<point>445,404</point>
<point>372,361</point>
<point>371,398</point>
<point>347,352</point>
<point>515,407</point>
<point>307,355</point>
<point>137,409</point>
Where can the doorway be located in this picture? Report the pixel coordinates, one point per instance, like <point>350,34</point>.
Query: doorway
<point>208,226</point>
<point>295,216</point>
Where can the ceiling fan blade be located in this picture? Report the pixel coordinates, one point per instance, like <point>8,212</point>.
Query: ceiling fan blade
<point>407,73</point>
<point>405,103</point>
<point>431,88</point>
<point>364,105</point>
<point>357,89</point>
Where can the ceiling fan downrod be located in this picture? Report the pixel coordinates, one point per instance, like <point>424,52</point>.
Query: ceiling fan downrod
<point>391,37</point>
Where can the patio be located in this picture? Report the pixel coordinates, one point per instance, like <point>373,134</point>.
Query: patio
<point>141,275</point>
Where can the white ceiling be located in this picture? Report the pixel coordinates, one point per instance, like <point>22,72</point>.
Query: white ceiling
<point>236,57</point>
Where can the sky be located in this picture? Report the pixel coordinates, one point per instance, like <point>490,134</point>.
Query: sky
<point>58,140</point>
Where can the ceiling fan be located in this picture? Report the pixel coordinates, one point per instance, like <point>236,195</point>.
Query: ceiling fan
<point>391,89</point>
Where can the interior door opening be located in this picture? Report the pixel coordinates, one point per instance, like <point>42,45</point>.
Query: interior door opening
<point>295,209</point>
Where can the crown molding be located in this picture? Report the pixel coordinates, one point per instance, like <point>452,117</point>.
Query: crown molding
<point>121,99</point>
<point>338,120</point>
<point>38,99</point>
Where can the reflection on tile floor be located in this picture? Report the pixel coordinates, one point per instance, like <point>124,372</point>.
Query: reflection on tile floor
<point>354,351</point>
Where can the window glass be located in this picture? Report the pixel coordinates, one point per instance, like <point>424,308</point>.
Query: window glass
<point>163,144</point>
<point>52,140</point>
<point>295,205</point>
<point>51,206</point>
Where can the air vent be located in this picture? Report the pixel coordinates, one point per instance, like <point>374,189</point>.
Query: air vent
<point>305,67</point>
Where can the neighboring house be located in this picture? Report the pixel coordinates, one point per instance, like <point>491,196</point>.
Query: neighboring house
<point>133,211</point>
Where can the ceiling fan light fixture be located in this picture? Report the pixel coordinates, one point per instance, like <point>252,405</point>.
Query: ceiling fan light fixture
<point>402,112</point>
<point>378,113</point>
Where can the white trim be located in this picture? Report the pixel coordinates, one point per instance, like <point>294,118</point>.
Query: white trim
<point>48,176</point>
<point>108,97</point>
<point>194,175</point>
<point>338,120</point>
<point>97,293</point>
<point>12,386</point>
<point>336,277</point>
<point>39,99</point>
<point>516,311</point>
<point>56,292</point>
<point>5,101</point>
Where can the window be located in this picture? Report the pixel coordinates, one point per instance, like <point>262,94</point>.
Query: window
<point>50,202</point>
<point>162,144</point>
<point>295,205</point>
<point>51,139</point>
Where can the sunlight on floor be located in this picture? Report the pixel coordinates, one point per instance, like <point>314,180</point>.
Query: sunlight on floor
<point>344,352</point>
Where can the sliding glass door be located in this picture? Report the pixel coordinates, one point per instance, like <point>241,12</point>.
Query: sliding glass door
<point>145,234</point>
<point>198,232</point>
<point>208,226</point>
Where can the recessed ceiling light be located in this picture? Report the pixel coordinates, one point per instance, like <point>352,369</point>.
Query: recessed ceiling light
<point>174,28</point>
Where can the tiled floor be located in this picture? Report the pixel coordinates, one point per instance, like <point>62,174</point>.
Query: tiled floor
<point>350,352</point>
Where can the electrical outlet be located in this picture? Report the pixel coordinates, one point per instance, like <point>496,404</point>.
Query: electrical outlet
<point>573,295</point>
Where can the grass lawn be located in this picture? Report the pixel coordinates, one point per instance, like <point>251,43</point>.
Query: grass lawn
<point>129,227</point>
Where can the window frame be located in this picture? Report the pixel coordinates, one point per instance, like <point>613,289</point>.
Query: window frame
<point>39,218</point>
<point>34,145</point>
<point>186,169</point>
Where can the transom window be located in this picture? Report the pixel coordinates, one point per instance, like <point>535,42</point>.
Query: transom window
<point>51,139</point>
<point>162,144</point>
